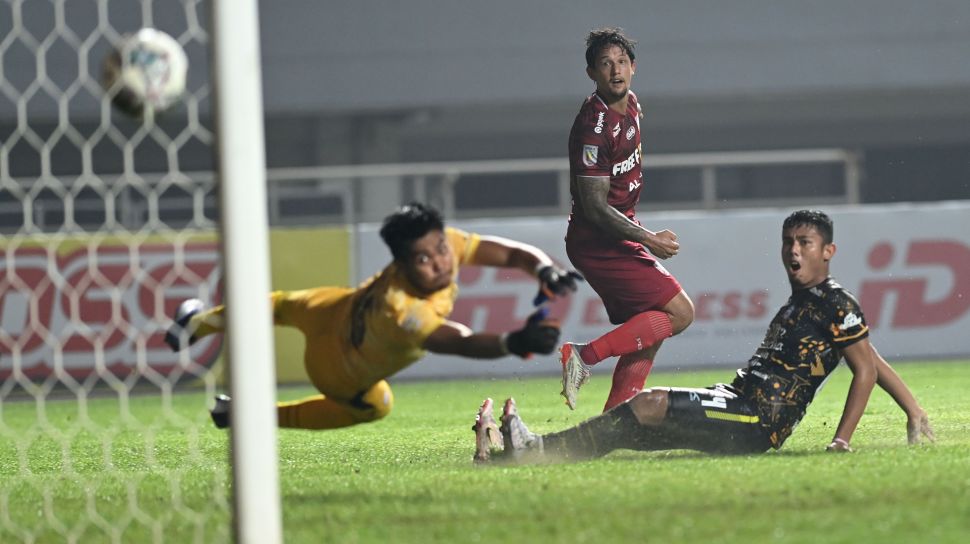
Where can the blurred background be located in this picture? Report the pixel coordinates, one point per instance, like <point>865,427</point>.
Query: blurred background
<point>752,108</point>
<point>351,83</point>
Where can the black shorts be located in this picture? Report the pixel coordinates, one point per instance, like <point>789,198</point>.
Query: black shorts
<point>713,419</point>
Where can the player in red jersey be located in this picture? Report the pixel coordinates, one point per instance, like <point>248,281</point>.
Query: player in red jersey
<point>605,241</point>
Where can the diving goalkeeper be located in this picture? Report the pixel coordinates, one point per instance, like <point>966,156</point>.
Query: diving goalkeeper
<point>356,338</point>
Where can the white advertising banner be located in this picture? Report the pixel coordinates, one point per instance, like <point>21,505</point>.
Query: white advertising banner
<point>909,266</point>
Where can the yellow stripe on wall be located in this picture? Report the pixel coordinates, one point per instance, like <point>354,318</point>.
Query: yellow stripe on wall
<point>300,259</point>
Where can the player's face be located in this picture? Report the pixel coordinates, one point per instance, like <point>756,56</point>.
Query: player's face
<point>612,71</point>
<point>429,266</point>
<point>805,256</point>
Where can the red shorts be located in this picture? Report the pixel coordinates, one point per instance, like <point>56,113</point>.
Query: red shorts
<point>624,274</point>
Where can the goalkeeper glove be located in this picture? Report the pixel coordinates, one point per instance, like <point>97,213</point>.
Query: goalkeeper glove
<point>558,281</point>
<point>535,337</point>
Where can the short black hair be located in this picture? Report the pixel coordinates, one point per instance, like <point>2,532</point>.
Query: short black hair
<point>812,218</point>
<point>606,37</point>
<point>407,224</point>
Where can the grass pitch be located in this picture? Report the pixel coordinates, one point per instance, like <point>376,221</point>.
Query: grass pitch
<point>154,470</point>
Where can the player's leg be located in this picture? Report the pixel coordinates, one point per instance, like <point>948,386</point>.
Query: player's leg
<point>643,327</point>
<point>631,371</point>
<point>193,321</point>
<point>304,309</point>
<point>711,420</point>
<point>642,330</point>
<point>630,374</point>
<point>321,412</point>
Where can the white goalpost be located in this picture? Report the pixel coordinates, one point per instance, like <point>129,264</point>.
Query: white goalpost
<point>246,248</point>
<point>107,222</point>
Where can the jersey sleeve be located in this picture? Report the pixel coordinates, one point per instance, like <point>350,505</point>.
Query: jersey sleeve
<point>588,145</point>
<point>463,244</point>
<point>846,323</point>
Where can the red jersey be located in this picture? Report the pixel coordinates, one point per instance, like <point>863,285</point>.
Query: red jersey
<point>603,142</point>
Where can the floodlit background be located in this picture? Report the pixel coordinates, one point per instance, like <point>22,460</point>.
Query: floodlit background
<point>751,109</point>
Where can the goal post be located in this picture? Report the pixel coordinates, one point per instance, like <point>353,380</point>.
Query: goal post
<point>242,164</point>
<point>108,222</point>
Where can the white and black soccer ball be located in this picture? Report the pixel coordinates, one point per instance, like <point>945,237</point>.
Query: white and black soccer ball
<point>145,71</point>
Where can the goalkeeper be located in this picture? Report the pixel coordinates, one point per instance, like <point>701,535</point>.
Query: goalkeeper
<point>357,338</point>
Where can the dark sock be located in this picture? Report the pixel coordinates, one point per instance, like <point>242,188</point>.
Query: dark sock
<point>595,437</point>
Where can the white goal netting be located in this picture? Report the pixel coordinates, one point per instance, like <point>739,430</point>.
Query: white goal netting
<point>106,223</point>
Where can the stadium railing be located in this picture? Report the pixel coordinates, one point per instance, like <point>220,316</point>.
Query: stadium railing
<point>335,194</point>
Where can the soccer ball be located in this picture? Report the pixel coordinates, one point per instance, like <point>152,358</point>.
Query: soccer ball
<point>146,71</point>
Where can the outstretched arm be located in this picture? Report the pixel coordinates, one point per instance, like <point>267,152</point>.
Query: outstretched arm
<point>505,253</point>
<point>861,361</point>
<point>590,193</point>
<point>917,422</point>
<point>453,338</point>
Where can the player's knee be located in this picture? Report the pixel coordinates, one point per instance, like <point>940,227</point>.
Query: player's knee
<point>681,311</point>
<point>650,406</point>
<point>378,402</point>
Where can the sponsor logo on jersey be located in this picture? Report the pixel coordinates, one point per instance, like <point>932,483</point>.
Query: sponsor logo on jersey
<point>590,153</point>
<point>630,163</point>
<point>630,132</point>
<point>616,130</point>
<point>850,321</point>
<point>635,184</point>
<point>600,121</point>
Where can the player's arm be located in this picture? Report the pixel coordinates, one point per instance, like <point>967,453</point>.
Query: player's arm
<point>453,338</point>
<point>861,361</point>
<point>505,253</point>
<point>917,422</point>
<point>591,195</point>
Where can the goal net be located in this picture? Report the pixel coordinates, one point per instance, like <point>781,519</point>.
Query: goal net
<point>106,223</point>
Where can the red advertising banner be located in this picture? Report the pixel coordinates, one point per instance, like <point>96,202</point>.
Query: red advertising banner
<point>98,310</point>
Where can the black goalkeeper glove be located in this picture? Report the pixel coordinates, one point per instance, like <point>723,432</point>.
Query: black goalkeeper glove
<point>556,281</point>
<point>535,337</point>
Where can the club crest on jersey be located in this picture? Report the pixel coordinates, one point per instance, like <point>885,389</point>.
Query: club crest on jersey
<point>600,121</point>
<point>630,132</point>
<point>616,130</point>
<point>850,321</point>
<point>590,154</point>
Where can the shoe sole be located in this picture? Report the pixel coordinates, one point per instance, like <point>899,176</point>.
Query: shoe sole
<point>487,434</point>
<point>569,393</point>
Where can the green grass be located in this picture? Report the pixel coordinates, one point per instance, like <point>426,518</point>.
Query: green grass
<point>96,476</point>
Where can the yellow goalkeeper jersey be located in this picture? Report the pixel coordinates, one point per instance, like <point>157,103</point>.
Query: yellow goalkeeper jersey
<point>356,337</point>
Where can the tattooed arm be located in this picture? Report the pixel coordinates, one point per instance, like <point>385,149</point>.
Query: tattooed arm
<point>590,193</point>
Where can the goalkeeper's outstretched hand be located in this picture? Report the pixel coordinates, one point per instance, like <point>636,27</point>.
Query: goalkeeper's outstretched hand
<point>534,337</point>
<point>556,281</point>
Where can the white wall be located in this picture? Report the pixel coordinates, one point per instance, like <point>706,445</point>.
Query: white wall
<point>909,266</point>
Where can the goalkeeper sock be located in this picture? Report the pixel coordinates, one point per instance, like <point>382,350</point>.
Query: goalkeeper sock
<point>628,378</point>
<point>640,332</point>
<point>315,413</point>
<point>595,437</point>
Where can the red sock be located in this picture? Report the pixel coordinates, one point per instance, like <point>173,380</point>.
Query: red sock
<point>628,378</point>
<point>640,332</point>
